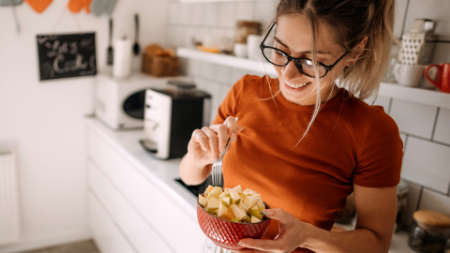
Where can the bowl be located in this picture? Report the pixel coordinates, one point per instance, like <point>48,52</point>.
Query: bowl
<point>227,234</point>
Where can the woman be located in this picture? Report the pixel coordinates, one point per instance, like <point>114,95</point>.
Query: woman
<point>307,144</point>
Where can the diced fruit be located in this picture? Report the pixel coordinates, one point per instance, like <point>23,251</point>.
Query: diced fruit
<point>217,190</point>
<point>228,215</point>
<point>209,189</point>
<point>254,220</point>
<point>224,203</point>
<point>238,189</point>
<point>202,200</point>
<point>260,203</point>
<point>258,196</point>
<point>250,201</point>
<point>238,212</point>
<point>227,200</point>
<point>233,204</point>
<point>243,206</point>
<point>222,209</point>
<point>213,203</point>
<point>254,211</point>
<point>234,195</point>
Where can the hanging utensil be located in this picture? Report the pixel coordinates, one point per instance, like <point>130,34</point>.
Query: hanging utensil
<point>136,48</point>
<point>15,16</point>
<point>110,49</point>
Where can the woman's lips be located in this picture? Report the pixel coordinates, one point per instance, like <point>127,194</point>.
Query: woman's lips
<point>300,88</point>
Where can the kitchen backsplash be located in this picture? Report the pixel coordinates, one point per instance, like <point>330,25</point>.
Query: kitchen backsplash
<point>425,130</point>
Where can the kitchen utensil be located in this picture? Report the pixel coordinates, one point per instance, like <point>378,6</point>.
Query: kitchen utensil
<point>418,44</point>
<point>227,234</point>
<point>245,28</point>
<point>443,82</point>
<point>216,171</point>
<point>109,7</point>
<point>10,2</point>
<point>408,75</point>
<point>109,53</point>
<point>15,16</point>
<point>136,35</point>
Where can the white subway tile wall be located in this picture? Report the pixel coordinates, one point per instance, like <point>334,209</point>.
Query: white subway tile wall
<point>427,163</point>
<point>413,118</point>
<point>435,201</point>
<point>424,132</point>
<point>442,131</point>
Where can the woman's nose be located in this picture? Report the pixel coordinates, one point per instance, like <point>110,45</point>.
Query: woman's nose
<point>291,71</point>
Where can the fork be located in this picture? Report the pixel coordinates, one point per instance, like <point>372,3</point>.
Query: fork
<point>216,172</point>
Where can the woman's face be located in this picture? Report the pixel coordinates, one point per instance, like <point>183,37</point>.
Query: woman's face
<point>294,36</point>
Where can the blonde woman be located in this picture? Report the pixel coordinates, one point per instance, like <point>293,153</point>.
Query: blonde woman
<point>307,144</point>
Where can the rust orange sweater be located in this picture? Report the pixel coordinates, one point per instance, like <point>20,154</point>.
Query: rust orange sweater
<point>349,143</point>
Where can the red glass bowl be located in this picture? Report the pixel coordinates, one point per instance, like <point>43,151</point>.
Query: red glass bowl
<point>227,234</point>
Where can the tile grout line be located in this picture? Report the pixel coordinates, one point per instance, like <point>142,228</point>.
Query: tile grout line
<point>420,198</point>
<point>424,187</point>
<point>426,139</point>
<point>435,123</point>
<point>390,105</point>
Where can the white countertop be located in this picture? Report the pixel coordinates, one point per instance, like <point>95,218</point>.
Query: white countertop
<point>163,172</point>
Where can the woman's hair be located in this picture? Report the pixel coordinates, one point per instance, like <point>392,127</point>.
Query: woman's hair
<point>350,21</point>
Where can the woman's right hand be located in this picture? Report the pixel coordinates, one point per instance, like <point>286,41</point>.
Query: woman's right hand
<point>207,143</point>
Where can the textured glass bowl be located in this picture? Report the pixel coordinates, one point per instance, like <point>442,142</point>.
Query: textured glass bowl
<point>227,234</point>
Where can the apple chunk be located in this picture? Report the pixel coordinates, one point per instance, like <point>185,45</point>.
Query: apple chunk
<point>213,203</point>
<point>238,212</point>
<point>254,220</point>
<point>202,200</point>
<point>238,189</point>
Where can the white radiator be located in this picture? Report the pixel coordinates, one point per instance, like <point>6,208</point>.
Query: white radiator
<point>9,211</point>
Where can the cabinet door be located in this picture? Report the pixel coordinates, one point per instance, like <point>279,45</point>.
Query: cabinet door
<point>139,232</point>
<point>107,236</point>
<point>171,220</point>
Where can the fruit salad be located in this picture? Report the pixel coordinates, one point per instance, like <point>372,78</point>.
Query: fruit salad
<point>233,204</point>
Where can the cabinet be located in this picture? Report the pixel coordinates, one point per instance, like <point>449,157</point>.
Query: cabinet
<point>143,216</point>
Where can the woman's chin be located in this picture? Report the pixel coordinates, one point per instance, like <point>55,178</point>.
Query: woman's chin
<point>298,95</point>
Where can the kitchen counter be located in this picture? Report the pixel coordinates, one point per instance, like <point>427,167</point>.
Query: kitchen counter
<point>163,172</point>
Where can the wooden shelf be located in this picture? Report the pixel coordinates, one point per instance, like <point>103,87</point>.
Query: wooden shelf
<point>417,95</point>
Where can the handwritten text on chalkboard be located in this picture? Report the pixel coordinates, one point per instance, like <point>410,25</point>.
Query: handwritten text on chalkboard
<point>67,55</point>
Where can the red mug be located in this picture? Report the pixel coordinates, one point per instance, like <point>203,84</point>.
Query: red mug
<point>443,80</point>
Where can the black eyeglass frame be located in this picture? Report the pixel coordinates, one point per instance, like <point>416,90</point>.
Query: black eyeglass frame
<point>296,60</point>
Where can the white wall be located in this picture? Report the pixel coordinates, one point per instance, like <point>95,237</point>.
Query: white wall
<point>44,120</point>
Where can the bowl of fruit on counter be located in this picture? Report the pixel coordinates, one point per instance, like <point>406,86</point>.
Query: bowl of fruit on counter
<point>226,216</point>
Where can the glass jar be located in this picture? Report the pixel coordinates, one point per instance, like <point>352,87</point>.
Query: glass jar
<point>245,28</point>
<point>430,232</point>
<point>402,200</point>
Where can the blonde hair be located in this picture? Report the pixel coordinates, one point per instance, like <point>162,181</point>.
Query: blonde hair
<point>351,21</point>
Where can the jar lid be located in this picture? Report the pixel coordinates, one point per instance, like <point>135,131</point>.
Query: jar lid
<point>431,218</point>
<point>248,23</point>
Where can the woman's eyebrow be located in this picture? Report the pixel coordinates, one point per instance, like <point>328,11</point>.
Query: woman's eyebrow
<point>303,52</point>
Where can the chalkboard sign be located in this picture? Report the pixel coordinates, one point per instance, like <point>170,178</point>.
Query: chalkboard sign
<point>66,55</point>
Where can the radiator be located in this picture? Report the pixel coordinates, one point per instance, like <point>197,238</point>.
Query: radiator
<point>9,211</point>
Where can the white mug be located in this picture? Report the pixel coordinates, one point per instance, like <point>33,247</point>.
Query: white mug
<point>408,75</point>
<point>240,50</point>
<point>254,51</point>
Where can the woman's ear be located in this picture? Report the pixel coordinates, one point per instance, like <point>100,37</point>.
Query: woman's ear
<point>358,50</point>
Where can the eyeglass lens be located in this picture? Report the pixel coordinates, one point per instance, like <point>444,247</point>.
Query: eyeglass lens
<point>305,66</point>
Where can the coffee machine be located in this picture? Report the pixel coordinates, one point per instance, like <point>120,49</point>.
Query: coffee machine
<point>170,117</point>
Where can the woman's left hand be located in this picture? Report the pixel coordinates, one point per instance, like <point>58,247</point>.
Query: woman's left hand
<point>291,234</point>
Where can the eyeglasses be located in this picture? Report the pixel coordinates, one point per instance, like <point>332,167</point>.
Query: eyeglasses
<point>281,59</point>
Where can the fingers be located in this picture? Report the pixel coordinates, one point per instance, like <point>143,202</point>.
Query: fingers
<point>261,244</point>
<point>200,137</point>
<point>278,214</point>
<point>222,135</point>
<point>232,126</point>
<point>213,142</point>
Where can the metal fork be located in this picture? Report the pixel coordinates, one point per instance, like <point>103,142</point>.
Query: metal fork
<point>216,172</point>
